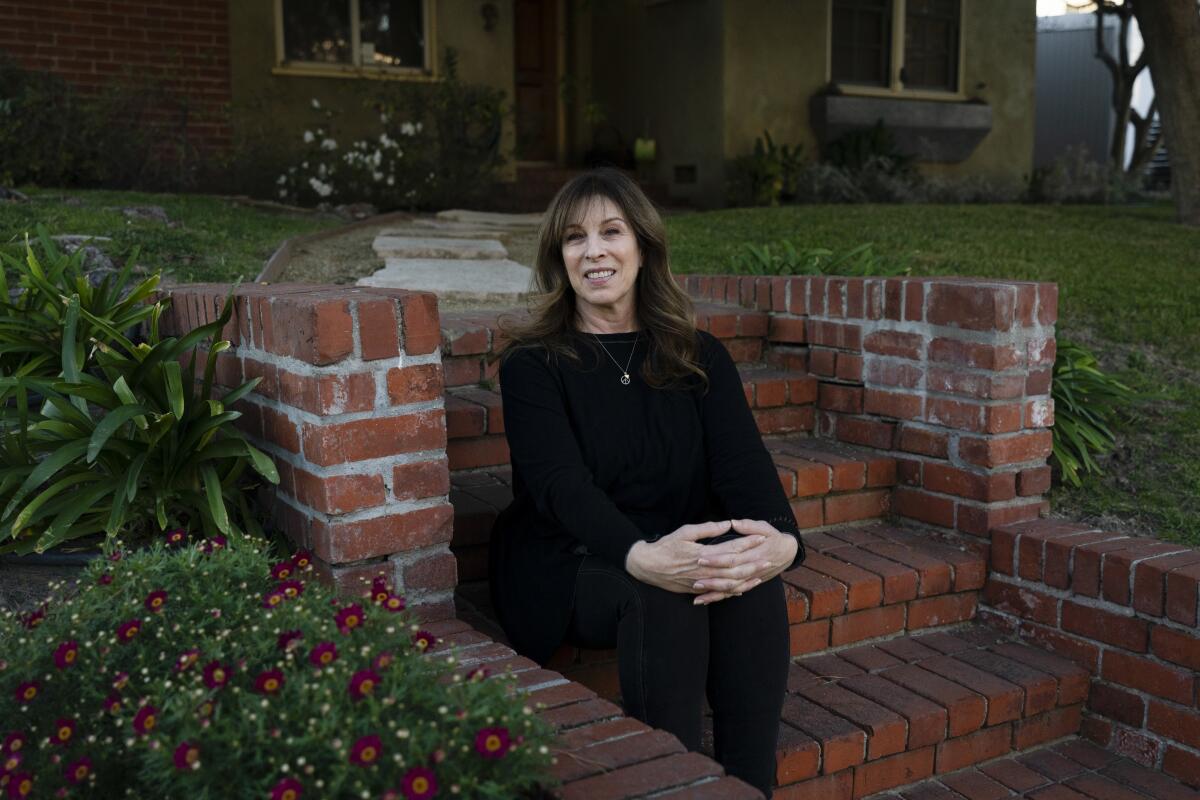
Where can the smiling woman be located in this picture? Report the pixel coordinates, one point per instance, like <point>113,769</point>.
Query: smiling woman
<point>646,513</point>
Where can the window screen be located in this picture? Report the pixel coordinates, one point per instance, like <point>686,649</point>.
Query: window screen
<point>931,44</point>
<point>862,41</point>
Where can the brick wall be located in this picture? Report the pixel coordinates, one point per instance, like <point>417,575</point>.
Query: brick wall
<point>950,375</point>
<point>92,43</point>
<point>1126,609</point>
<point>350,407</point>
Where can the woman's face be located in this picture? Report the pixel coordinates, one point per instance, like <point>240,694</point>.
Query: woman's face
<point>602,258</point>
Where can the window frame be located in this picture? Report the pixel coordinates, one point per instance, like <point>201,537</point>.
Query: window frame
<point>896,87</point>
<point>318,69</point>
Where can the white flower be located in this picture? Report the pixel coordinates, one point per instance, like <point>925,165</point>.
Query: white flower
<point>377,158</point>
<point>386,141</point>
<point>282,180</point>
<point>316,103</point>
<point>391,181</point>
<point>408,129</point>
<point>321,171</point>
<point>377,176</point>
<point>283,192</point>
<point>322,189</point>
<point>418,128</point>
<point>329,144</point>
<point>308,137</point>
<point>383,118</point>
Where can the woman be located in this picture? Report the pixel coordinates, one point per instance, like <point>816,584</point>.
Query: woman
<point>646,513</point>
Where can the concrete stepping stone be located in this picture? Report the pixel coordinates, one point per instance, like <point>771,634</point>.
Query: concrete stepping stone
<point>437,247</point>
<point>482,218</point>
<point>481,281</point>
<point>456,230</point>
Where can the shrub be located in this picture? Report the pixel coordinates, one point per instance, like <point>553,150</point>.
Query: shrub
<point>102,431</point>
<point>206,671</point>
<point>1087,403</point>
<point>782,258</point>
<point>767,176</point>
<point>1076,177</point>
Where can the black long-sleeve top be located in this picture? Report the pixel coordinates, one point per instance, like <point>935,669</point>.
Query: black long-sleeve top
<point>598,465</point>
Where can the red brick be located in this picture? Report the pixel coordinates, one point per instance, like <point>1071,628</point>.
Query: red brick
<point>808,637</point>
<point>422,331</point>
<point>1046,727</point>
<point>980,386</point>
<point>1126,632</point>
<point>1136,745</point>
<point>1181,725</point>
<point>810,478</point>
<point>1150,580</point>
<point>857,506</point>
<point>315,328</point>
<point>955,414</point>
<point>866,432</point>
<point>899,580</point>
<point>463,338</point>
<point>1081,651</point>
<point>1139,672</point>
<point>1040,688</point>
<point>933,573</point>
<point>838,397</point>
<point>1013,774</point>
<point>897,770</point>
<point>1005,699</point>
<point>328,394</point>
<point>1117,704</point>
<point>868,624</point>
<point>826,596</point>
<point>343,542</point>
<point>1033,481</point>
<point>849,367</point>
<point>1183,765</point>
<point>1175,646</point>
<point>989,743</point>
<point>639,779</point>
<point>998,451</point>
<point>980,520</point>
<point>787,419</point>
<point>895,343</point>
<point>904,374</point>
<point>897,405</point>
<point>988,486</point>
<point>464,419</point>
<point>268,386</point>
<point>374,438</point>
<point>974,354</point>
<point>787,329</point>
<point>1040,351</point>
<point>483,451</point>
<point>1182,594</point>
<point>967,710</point>
<point>416,384</point>
<point>802,391</point>
<point>431,573</point>
<point>978,307</point>
<point>423,479</point>
<point>462,371</point>
<point>378,331</point>
<point>1073,680</point>
<point>945,610</point>
<point>923,506</point>
<point>338,494</point>
<point>797,756</point>
<point>808,513</point>
<point>280,429</point>
<point>864,589</point>
<point>829,787</point>
<point>842,335</point>
<point>974,785</point>
<point>843,744</point>
<point>886,730</point>
<point>771,392</point>
<point>1118,566</point>
<point>926,719</point>
<point>1059,556</point>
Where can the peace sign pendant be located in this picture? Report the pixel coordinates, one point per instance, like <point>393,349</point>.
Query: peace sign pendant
<point>625,379</point>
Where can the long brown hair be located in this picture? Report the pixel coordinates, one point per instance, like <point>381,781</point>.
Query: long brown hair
<point>664,312</point>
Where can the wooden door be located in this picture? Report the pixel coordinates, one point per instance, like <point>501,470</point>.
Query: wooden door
<point>536,79</point>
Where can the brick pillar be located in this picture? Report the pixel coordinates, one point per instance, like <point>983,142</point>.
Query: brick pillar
<point>950,375</point>
<point>351,408</point>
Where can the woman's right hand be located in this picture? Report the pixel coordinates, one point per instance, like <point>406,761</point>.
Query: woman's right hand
<point>672,562</point>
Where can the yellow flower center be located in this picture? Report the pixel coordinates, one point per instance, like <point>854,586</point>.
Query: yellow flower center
<point>69,657</point>
<point>16,745</point>
<point>366,686</point>
<point>30,693</point>
<point>290,591</point>
<point>81,772</point>
<point>368,754</point>
<point>25,787</point>
<point>191,756</point>
<point>288,794</point>
<point>274,600</point>
<point>492,743</point>
<point>219,675</point>
<point>271,684</point>
<point>326,657</point>
<point>11,764</point>
<point>149,722</point>
<point>64,733</point>
<point>420,785</point>
<point>351,622</point>
<point>131,631</point>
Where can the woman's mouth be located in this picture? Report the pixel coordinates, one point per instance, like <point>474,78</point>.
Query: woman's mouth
<point>598,276</point>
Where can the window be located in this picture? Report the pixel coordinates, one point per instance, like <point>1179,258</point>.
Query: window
<point>384,35</point>
<point>896,45</point>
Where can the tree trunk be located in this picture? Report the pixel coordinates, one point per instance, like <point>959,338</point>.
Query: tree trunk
<point>1171,32</point>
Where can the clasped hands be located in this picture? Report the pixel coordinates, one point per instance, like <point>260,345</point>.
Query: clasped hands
<point>679,563</point>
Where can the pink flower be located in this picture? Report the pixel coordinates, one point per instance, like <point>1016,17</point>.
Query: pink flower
<point>112,703</point>
<point>34,618</point>
<point>419,783</point>
<point>27,691</point>
<point>282,570</point>
<point>366,751</point>
<point>349,618</point>
<point>64,730</point>
<point>115,556</point>
<point>323,654</point>
<point>145,719</point>
<point>20,785</point>
<point>424,640</point>
<point>288,639</point>
<point>477,674</point>
<point>216,674</point>
<point>78,770</point>
<point>362,683</point>
<point>492,742</point>
<point>206,709</point>
<point>13,742</point>
<point>269,682</point>
<point>187,754</point>
<point>287,789</point>
<point>176,536</point>
<point>186,659</point>
<point>65,654</point>
<point>155,600</point>
<point>214,543</point>
<point>290,589</point>
<point>302,559</point>
<point>273,598</point>
<point>394,603</point>
<point>380,589</point>
<point>9,762</point>
<point>128,630</point>
<point>105,578</point>
<point>120,680</point>
<point>383,661</point>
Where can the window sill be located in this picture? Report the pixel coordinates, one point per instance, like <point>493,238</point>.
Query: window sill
<point>899,94</point>
<point>339,71</point>
<point>932,130</point>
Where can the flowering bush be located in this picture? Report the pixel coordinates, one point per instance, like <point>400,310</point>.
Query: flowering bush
<point>198,672</point>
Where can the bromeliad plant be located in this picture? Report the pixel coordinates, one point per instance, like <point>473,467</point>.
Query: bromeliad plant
<point>783,258</point>
<point>1087,404</point>
<point>205,671</point>
<point>124,439</point>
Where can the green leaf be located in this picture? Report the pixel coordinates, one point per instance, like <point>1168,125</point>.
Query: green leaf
<point>45,471</point>
<point>27,513</point>
<point>262,463</point>
<point>70,365</point>
<point>174,387</point>
<point>216,501</point>
<point>109,425</point>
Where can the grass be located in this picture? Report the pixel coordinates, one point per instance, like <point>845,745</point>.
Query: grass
<point>211,238</point>
<point>1129,284</point>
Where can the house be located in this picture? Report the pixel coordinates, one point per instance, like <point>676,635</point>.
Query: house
<point>953,79</point>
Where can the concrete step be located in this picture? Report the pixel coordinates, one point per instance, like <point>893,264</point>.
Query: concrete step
<point>491,218</point>
<point>423,247</point>
<point>459,280</point>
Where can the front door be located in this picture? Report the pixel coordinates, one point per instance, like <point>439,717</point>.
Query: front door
<point>536,80</point>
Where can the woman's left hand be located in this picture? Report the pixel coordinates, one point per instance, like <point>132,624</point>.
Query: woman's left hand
<point>772,556</point>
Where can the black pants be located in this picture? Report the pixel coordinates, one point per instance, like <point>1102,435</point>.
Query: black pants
<point>671,653</point>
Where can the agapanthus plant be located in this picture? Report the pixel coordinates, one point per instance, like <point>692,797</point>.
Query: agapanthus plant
<point>173,679</point>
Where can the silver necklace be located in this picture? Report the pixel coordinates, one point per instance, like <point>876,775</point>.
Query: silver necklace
<point>624,372</point>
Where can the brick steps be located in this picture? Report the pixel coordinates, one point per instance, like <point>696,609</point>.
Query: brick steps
<point>1072,769</point>
<point>871,718</point>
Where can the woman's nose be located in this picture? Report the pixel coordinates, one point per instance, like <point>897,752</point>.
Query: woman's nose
<point>595,247</point>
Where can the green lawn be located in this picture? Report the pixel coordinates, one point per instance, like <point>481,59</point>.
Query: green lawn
<point>213,239</point>
<point>1129,283</point>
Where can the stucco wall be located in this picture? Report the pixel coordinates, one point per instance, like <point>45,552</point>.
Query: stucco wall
<point>264,101</point>
<point>657,71</point>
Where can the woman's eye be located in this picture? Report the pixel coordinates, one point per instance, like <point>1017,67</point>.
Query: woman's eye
<point>612,232</point>
<point>574,237</point>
